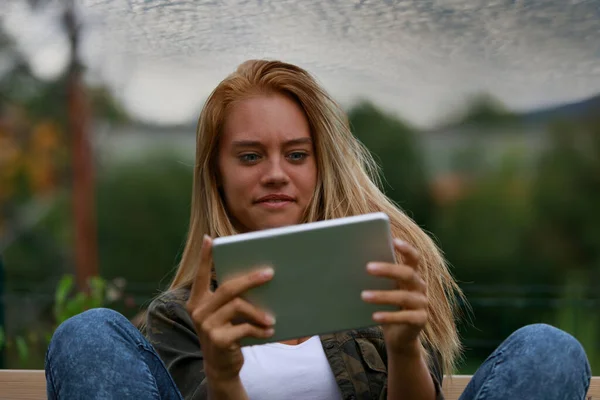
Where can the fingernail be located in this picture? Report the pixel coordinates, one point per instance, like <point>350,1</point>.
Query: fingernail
<point>270,319</point>
<point>267,273</point>
<point>378,316</point>
<point>399,242</point>
<point>367,295</point>
<point>269,332</point>
<point>205,239</point>
<point>372,267</point>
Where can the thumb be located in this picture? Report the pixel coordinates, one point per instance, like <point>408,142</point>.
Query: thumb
<point>201,283</point>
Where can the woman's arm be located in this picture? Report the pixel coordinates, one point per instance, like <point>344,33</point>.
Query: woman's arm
<point>409,377</point>
<point>408,373</point>
<point>179,328</point>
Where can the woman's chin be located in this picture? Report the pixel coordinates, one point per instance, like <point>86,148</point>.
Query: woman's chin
<point>277,223</point>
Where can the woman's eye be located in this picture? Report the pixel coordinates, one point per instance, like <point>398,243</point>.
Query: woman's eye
<point>297,156</point>
<point>249,158</point>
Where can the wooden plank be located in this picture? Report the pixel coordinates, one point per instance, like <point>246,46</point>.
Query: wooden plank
<point>31,385</point>
<point>453,387</point>
<point>594,392</point>
<point>22,384</point>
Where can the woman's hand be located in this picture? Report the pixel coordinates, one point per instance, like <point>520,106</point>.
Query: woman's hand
<point>401,328</point>
<point>213,313</point>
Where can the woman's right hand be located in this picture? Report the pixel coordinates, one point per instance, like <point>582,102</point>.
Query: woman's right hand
<point>213,313</point>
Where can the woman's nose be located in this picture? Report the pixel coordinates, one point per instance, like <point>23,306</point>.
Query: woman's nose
<point>275,174</point>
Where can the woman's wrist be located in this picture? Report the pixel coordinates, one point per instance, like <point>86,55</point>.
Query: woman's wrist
<point>408,374</point>
<point>412,350</point>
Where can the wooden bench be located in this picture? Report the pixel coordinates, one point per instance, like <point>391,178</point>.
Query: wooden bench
<point>31,385</point>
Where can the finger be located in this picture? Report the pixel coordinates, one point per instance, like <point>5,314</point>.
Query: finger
<point>237,286</point>
<point>409,317</point>
<point>410,255</point>
<point>201,283</point>
<point>401,298</point>
<point>404,275</point>
<point>236,308</point>
<point>228,335</point>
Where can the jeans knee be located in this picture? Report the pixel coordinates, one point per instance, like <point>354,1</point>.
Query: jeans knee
<point>546,337</point>
<point>86,329</point>
<point>90,321</point>
<point>550,345</point>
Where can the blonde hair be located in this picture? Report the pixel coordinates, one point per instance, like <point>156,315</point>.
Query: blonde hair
<point>348,184</point>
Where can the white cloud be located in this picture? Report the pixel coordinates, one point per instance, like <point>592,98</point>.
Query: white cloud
<point>415,57</point>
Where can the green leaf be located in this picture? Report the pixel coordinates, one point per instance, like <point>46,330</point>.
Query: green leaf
<point>97,292</point>
<point>22,348</point>
<point>60,297</point>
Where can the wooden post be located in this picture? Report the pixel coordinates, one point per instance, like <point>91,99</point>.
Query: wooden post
<point>86,259</point>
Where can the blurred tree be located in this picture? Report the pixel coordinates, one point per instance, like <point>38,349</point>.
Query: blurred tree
<point>38,137</point>
<point>105,107</point>
<point>483,229</point>
<point>481,110</point>
<point>143,212</point>
<point>566,230</point>
<point>396,147</point>
<point>33,154</point>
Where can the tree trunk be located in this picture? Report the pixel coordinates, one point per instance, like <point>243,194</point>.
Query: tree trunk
<point>86,259</point>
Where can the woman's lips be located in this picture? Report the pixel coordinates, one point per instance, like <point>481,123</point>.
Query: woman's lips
<point>275,201</point>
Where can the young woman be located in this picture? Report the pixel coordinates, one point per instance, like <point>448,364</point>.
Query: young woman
<point>273,149</point>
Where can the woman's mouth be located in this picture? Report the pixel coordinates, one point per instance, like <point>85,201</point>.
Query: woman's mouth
<point>275,201</point>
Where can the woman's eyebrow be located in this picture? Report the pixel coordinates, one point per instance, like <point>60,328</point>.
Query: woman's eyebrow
<point>256,143</point>
<point>302,140</point>
<point>246,143</point>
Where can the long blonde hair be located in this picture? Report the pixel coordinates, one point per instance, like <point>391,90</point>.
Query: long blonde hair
<point>348,184</point>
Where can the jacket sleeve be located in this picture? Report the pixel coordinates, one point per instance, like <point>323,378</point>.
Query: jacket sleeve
<point>170,330</point>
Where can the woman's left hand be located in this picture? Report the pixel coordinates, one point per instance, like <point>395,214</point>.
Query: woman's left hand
<point>401,328</point>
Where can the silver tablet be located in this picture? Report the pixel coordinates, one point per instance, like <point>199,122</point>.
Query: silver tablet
<point>320,272</point>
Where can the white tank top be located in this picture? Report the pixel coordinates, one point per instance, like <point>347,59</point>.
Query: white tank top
<point>277,371</point>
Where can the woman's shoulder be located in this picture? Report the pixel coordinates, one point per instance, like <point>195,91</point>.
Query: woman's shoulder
<point>170,301</point>
<point>166,312</point>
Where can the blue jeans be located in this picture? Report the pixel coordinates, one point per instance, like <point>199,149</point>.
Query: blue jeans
<point>99,354</point>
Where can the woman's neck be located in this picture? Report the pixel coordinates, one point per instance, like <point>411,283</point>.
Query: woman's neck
<point>294,342</point>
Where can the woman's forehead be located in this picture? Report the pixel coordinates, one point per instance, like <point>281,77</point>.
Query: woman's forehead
<point>266,119</point>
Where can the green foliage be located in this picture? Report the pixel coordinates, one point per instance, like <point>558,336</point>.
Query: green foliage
<point>566,199</point>
<point>571,317</point>
<point>519,233</point>
<point>397,150</point>
<point>41,253</point>
<point>143,212</point>
<point>104,105</point>
<point>482,110</point>
<point>66,307</point>
<point>22,347</point>
<point>69,301</point>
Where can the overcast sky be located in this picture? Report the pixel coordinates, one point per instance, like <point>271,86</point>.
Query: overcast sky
<point>416,58</point>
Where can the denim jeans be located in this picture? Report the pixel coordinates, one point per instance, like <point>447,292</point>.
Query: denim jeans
<point>99,354</point>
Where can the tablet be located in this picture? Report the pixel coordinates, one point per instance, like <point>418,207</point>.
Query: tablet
<point>320,272</point>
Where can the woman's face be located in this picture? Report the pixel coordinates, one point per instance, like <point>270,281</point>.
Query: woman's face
<point>266,162</point>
